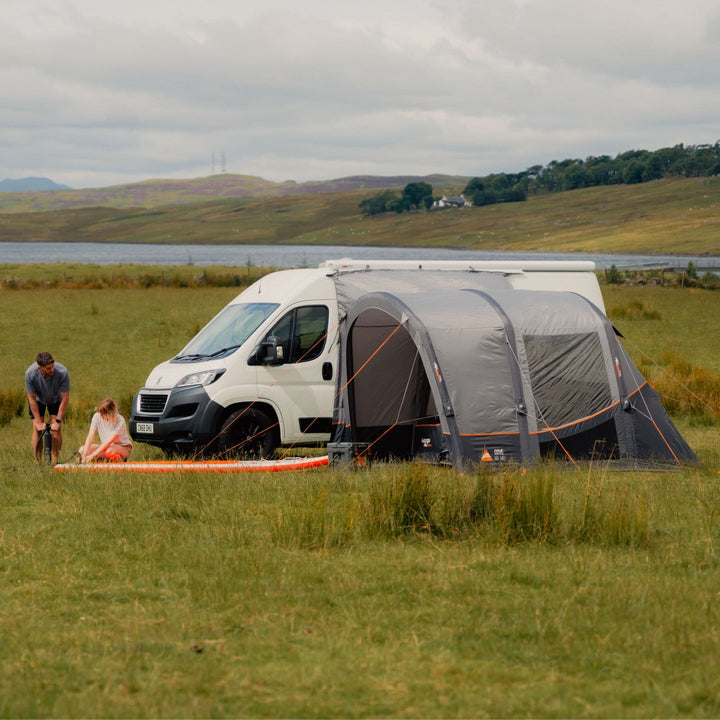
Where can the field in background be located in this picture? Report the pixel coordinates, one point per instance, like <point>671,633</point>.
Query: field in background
<point>666,216</point>
<point>394,591</point>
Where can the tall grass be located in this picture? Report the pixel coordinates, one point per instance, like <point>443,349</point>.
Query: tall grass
<point>671,338</point>
<point>12,404</point>
<point>634,310</point>
<point>82,276</point>
<point>510,507</point>
<point>685,389</point>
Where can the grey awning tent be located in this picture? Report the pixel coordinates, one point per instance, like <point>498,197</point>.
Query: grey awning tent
<point>485,372</point>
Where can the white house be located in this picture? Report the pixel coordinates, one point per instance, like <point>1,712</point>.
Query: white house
<point>458,201</point>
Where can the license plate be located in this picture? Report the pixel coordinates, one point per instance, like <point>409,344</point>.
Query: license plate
<point>144,427</point>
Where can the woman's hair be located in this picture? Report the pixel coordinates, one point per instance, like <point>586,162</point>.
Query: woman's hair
<point>107,407</point>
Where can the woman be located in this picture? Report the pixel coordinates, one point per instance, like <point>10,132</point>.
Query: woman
<point>115,444</point>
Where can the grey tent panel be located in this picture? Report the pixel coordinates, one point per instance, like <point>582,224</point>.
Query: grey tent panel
<point>561,367</point>
<point>352,285</point>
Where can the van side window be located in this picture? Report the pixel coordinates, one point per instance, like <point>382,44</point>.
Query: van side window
<point>302,332</point>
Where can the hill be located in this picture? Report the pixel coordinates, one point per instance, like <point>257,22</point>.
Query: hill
<point>30,184</point>
<point>157,193</point>
<point>662,217</point>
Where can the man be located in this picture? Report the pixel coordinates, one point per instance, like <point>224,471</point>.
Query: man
<point>47,385</point>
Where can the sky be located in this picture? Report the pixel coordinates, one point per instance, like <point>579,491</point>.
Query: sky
<point>104,92</point>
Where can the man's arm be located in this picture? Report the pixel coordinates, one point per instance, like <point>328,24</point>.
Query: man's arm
<point>64,398</point>
<point>38,422</point>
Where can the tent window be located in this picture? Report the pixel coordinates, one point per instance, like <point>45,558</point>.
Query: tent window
<point>568,377</point>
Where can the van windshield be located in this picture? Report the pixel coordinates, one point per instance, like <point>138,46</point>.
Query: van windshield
<point>226,332</point>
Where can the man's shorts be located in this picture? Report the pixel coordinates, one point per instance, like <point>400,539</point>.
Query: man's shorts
<point>54,408</point>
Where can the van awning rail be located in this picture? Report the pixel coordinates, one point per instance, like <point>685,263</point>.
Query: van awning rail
<point>504,267</point>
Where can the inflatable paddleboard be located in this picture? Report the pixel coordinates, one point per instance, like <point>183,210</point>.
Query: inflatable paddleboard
<point>210,466</point>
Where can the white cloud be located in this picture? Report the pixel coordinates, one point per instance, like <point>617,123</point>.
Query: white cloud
<point>101,93</point>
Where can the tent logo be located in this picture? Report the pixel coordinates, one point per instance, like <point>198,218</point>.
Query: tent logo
<point>497,456</point>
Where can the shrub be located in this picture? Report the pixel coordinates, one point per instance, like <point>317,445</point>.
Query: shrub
<point>685,389</point>
<point>12,405</point>
<point>710,280</point>
<point>613,276</point>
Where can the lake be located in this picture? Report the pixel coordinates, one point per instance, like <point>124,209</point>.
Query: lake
<point>307,255</point>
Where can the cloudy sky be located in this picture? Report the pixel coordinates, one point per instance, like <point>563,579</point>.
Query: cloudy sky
<point>101,92</point>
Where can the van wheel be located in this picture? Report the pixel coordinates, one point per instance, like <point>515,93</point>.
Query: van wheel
<point>247,434</point>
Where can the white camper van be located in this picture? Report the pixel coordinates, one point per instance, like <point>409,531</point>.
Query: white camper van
<point>262,372</point>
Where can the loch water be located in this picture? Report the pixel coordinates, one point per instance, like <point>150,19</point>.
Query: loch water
<point>290,256</point>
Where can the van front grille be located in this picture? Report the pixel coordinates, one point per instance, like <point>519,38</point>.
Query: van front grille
<point>153,404</point>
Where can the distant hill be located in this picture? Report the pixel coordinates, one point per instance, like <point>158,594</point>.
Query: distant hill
<point>159,193</point>
<point>30,184</point>
<point>679,216</point>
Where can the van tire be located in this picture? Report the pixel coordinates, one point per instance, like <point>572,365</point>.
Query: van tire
<point>247,434</point>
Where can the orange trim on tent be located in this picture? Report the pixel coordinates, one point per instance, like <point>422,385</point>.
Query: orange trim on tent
<point>559,427</point>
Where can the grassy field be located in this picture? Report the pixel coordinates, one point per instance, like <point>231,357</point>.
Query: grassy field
<point>393,591</point>
<point>668,216</point>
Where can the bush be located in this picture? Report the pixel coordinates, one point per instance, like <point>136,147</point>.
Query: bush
<point>685,389</point>
<point>613,276</point>
<point>12,405</point>
<point>710,280</point>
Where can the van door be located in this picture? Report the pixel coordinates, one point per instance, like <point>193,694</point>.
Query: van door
<point>302,387</point>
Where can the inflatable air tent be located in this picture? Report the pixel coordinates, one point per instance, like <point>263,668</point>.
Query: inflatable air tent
<point>492,374</point>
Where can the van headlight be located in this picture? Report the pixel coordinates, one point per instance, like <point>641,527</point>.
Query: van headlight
<point>206,377</point>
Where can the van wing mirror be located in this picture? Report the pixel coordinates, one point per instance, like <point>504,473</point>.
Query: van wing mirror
<point>269,352</point>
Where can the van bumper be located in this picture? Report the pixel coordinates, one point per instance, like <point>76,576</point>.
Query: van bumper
<point>180,418</point>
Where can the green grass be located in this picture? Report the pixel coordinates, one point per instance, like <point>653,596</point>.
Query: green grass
<point>667,216</point>
<point>392,590</point>
<point>153,596</point>
<point>123,276</point>
<point>109,339</point>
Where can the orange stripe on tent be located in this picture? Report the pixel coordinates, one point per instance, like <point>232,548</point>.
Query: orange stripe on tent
<point>502,434</point>
<point>576,422</point>
<point>548,428</point>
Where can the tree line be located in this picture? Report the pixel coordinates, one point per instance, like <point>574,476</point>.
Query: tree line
<point>629,168</point>
<point>416,195</point>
